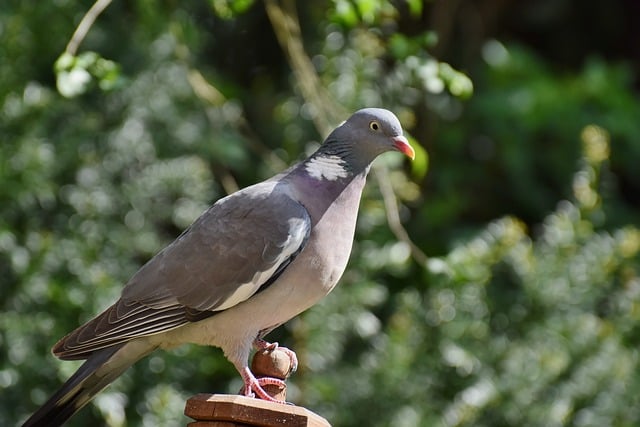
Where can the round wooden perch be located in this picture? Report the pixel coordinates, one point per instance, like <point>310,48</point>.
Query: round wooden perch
<point>219,410</point>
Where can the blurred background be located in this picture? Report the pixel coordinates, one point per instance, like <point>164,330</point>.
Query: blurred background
<point>494,280</point>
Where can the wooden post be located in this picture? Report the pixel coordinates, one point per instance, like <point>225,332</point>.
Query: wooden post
<point>224,410</point>
<point>219,410</point>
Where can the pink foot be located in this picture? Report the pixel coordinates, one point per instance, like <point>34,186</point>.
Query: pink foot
<point>260,344</point>
<point>253,384</point>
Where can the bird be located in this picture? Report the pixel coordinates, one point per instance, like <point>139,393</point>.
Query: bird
<point>252,261</point>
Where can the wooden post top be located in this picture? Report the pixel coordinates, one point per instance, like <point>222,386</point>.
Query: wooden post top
<point>223,410</point>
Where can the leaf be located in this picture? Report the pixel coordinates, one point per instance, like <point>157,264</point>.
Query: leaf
<point>75,74</point>
<point>228,9</point>
<point>345,13</point>
<point>420,164</point>
<point>415,7</point>
<point>73,83</point>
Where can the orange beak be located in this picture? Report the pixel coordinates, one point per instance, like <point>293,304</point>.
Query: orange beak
<point>401,144</point>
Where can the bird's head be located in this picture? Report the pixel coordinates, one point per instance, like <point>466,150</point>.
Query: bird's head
<point>365,135</point>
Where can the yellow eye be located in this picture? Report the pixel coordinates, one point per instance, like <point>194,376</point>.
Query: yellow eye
<point>375,126</point>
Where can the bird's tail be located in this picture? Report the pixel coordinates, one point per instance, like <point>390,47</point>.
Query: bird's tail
<point>100,369</point>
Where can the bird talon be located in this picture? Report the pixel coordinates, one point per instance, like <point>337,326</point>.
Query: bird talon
<point>292,357</point>
<point>260,344</point>
<point>253,386</point>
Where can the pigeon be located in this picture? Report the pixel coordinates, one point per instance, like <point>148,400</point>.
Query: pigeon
<point>252,261</point>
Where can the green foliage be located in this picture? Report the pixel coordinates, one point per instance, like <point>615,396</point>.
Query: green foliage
<point>528,319</point>
<point>229,9</point>
<point>523,162</point>
<point>75,74</point>
<point>352,13</point>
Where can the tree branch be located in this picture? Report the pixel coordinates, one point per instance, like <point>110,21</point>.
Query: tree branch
<point>85,24</point>
<point>381,174</point>
<point>287,29</point>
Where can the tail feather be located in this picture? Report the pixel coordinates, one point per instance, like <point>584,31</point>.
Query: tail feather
<point>100,369</point>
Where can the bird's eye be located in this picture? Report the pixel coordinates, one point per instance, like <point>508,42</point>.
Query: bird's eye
<point>374,126</point>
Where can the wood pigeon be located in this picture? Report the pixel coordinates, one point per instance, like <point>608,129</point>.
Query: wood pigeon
<point>248,264</point>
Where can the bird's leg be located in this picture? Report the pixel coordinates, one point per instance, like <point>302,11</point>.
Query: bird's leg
<point>262,345</point>
<point>253,384</point>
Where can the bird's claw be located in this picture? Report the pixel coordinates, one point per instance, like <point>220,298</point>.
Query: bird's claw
<point>253,386</point>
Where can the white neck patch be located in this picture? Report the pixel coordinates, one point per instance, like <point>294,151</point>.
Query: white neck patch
<point>330,168</point>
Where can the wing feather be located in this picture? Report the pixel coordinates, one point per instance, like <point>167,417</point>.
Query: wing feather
<point>239,245</point>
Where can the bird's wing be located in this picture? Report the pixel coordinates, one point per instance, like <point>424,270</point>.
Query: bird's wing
<point>236,248</point>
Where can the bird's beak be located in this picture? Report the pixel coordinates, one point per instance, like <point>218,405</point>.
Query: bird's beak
<point>401,144</point>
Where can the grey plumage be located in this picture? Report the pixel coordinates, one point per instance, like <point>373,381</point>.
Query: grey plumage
<point>252,261</point>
